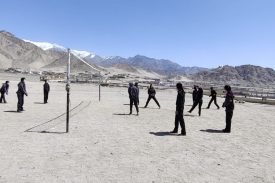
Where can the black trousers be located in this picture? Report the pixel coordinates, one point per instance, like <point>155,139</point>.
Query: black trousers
<point>46,95</point>
<point>154,98</point>
<point>195,105</point>
<point>228,120</point>
<point>20,102</point>
<point>179,120</point>
<point>215,102</point>
<point>2,98</point>
<point>135,102</point>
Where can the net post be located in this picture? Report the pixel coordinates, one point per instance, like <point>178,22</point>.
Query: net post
<point>68,91</point>
<point>99,91</point>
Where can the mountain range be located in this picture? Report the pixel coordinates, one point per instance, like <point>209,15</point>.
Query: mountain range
<point>30,55</point>
<point>242,75</point>
<point>25,54</point>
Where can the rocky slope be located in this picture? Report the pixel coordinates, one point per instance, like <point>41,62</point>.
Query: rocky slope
<point>28,55</point>
<point>17,53</point>
<point>244,74</point>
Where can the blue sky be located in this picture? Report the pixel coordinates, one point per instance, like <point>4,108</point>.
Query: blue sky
<point>205,33</point>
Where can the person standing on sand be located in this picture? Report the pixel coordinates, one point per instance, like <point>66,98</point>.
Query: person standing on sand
<point>229,108</point>
<point>20,94</point>
<point>4,91</point>
<point>46,88</point>
<point>151,95</point>
<point>198,100</point>
<point>194,93</point>
<point>179,110</point>
<point>213,96</point>
<point>133,96</point>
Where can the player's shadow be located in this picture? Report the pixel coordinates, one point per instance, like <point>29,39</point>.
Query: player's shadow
<point>45,132</point>
<point>190,115</point>
<point>12,111</point>
<point>163,134</point>
<point>52,132</point>
<point>149,107</point>
<point>39,103</point>
<point>212,131</point>
<point>121,114</point>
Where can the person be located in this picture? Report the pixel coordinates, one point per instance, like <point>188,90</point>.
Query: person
<point>229,108</point>
<point>133,96</point>
<point>20,94</point>
<point>198,101</point>
<point>179,110</point>
<point>151,95</point>
<point>46,88</point>
<point>4,91</point>
<point>213,96</point>
<point>136,85</point>
<point>194,93</point>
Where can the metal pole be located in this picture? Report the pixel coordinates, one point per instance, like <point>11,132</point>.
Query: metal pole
<point>99,94</point>
<point>68,91</point>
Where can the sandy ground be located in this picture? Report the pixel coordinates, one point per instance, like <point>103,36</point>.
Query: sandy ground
<point>106,145</point>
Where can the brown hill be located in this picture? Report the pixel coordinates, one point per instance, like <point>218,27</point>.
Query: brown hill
<point>17,53</point>
<point>244,74</point>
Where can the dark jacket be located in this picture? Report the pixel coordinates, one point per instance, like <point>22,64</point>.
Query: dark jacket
<point>137,90</point>
<point>46,87</point>
<point>213,94</point>
<point>194,94</point>
<point>5,88</point>
<point>199,95</point>
<point>151,91</point>
<point>180,100</point>
<point>229,101</point>
<point>22,88</point>
<point>134,93</point>
<point>130,89</point>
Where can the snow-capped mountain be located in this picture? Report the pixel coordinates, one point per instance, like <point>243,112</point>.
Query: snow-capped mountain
<point>15,52</point>
<point>47,46</point>
<point>83,54</point>
<point>53,46</point>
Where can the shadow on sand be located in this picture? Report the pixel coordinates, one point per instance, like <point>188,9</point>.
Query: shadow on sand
<point>190,115</point>
<point>52,132</point>
<point>39,103</point>
<point>121,114</point>
<point>12,111</point>
<point>149,107</point>
<point>163,134</point>
<point>126,104</point>
<point>212,131</point>
<point>45,132</point>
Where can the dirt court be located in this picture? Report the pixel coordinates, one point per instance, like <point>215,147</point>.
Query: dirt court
<point>105,144</point>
